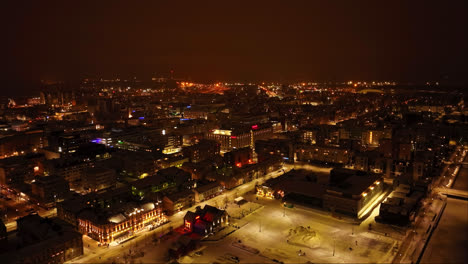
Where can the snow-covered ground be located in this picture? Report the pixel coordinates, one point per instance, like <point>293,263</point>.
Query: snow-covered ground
<point>298,236</point>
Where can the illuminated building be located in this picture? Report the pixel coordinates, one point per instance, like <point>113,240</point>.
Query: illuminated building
<point>372,138</point>
<point>107,226</point>
<point>296,185</point>
<point>309,136</point>
<point>348,192</point>
<point>205,221</point>
<point>265,191</point>
<point>240,137</point>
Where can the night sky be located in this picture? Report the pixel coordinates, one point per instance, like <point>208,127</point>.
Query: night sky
<point>233,40</point>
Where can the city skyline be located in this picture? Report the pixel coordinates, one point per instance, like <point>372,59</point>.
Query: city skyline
<point>247,42</point>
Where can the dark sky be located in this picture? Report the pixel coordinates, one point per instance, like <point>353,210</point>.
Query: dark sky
<point>233,40</point>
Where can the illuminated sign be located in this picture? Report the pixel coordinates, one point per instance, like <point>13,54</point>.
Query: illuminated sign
<point>255,127</point>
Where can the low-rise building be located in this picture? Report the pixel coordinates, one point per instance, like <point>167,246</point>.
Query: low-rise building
<point>178,201</point>
<point>205,221</point>
<point>207,191</point>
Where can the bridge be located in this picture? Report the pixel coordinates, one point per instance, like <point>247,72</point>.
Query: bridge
<point>455,193</point>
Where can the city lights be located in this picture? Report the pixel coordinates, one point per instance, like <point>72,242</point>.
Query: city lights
<point>188,132</point>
